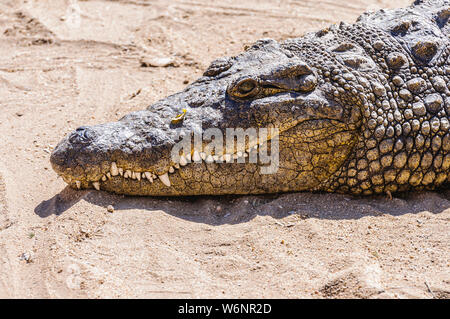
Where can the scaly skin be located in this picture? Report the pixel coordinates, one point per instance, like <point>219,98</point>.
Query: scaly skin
<point>360,109</point>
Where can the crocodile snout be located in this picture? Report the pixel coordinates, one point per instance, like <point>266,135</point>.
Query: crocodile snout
<point>91,154</point>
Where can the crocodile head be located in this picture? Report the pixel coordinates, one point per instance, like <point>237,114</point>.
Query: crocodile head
<point>268,120</point>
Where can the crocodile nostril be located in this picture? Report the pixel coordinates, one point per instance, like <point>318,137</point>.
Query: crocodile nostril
<point>81,134</point>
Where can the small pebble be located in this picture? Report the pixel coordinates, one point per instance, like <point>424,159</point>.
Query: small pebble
<point>110,208</point>
<point>157,62</point>
<point>26,257</point>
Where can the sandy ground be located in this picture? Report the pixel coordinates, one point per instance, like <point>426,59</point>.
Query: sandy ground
<point>64,64</point>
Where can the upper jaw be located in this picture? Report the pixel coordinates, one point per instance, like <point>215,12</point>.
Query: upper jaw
<point>139,142</point>
<point>143,140</point>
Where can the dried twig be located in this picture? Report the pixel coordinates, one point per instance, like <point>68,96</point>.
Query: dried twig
<point>429,289</point>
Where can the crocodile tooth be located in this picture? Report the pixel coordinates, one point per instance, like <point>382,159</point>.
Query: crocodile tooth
<point>176,166</point>
<point>96,185</point>
<point>127,173</point>
<point>171,169</point>
<point>209,159</point>
<point>149,176</point>
<point>138,176</point>
<point>121,171</point>
<point>245,154</point>
<point>196,157</point>
<point>103,178</point>
<point>154,176</point>
<point>203,155</point>
<point>216,158</point>
<point>165,179</point>
<point>133,175</point>
<point>78,183</point>
<point>108,175</point>
<point>239,154</point>
<point>227,158</point>
<point>114,169</point>
<point>183,161</point>
<point>143,176</point>
<point>188,157</point>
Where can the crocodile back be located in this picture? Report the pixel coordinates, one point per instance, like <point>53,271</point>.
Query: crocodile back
<point>405,139</point>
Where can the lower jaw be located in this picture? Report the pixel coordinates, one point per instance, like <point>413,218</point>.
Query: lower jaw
<point>141,188</point>
<point>211,179</point>
<point>195,180</point>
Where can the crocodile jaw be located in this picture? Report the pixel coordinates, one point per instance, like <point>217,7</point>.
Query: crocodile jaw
<point>197,173</point>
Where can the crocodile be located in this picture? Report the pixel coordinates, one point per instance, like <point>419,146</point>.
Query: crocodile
<point>360,108</point>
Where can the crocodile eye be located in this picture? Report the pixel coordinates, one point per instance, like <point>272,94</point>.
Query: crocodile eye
<point>245,88</point>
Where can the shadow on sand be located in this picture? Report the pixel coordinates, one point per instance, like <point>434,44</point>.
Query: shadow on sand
<point>218,210</point>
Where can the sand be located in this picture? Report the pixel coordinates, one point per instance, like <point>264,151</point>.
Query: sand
<point>64,64</point>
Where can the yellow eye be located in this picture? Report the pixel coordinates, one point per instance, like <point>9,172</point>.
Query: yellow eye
<point>246,88</point>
